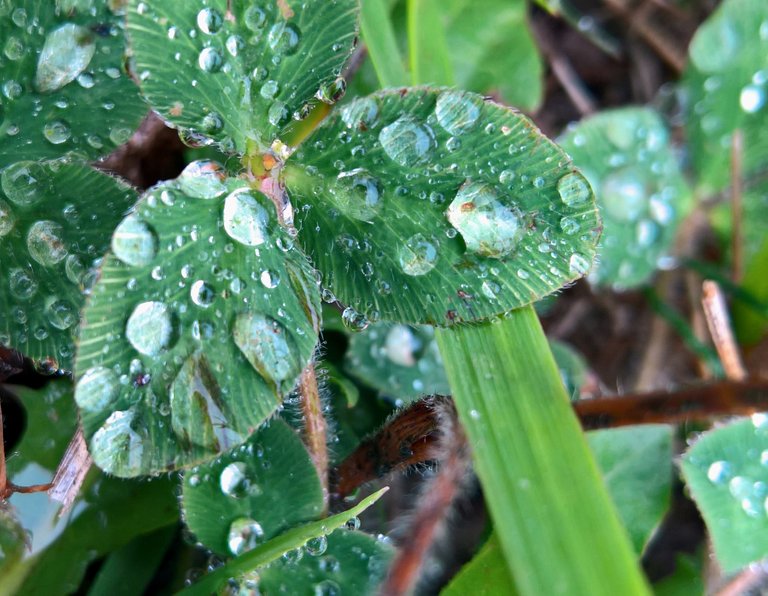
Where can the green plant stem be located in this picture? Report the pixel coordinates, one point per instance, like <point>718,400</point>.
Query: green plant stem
<point>558,529</point>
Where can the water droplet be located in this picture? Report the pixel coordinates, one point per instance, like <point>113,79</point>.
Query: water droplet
<point>458,111</point>
<point>269,279</point>
<point>327,587</point>
<point>268,346</point>
<point>7,219</point>
<point>150,328</point>
<point>254,18</point>
<point>245,219</point>
<point>57,132</point>
<point>22,182</point>
<point>202,293</point>
<point>210,60</point>
<point>357,194</point>
<point>574,189</point>
<point>418,255</point>
<point>244,535</point>
<point>647,232</point>
<point>45,243</point>
<point>234,480</point>
<point>61,314</point>
<point>361,114</point>
<point>134,242</point>
<point>277,113</point>
<point>354,320</point>
<point>407,142</point>
<point>488,227</point>
<point>203,179</point>
<point>97,389</point>
<point>578,264</point>
<point>283,38</point>
<point>22,284</point>
<point>66,53</point>
<point>352,523</point>
<point>116,447</point>
<point>624,194</point>
<point>316,546</point>
<point>490,289</point>
<point>14,49</point>
<point>332,92</point>
<point>569,226</point>
<point>209,20</point>
<point>719,472</point>
<point>401,345</point>
<point>752,98</point>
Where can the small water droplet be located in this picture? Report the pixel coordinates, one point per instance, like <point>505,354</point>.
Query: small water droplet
<point>66,53</point>
<point>245,219</point>
<point>752,98</point>
<point>573,189</point>
<point>210,60</point>
<point>234,481</point>
<point>7,219</point>
<point>134,242</point>
<point>354,320</point>
<point>45,243</point>
<point>56,132</point>
<point>254,18</point>
<point>458,111</point>
<point>357,194</point>
<point>244,534</point>
<point>209,20</point>
<point>361,113</point>
<point>418,255</point>
<point>316,546</point>
<point>202,293</point>
<point>332,92</point>
<point>719,472</point>
<point>269,279</point>
<point>407,142</point>
<point>61,314</point>
<point>283,38</point>
<point>97,389</point>
<point>22,284</point>
<point>578,264</point>
<point>116,447</point>
<point>150,328</point>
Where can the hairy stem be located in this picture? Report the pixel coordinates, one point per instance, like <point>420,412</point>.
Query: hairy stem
<point>315,426</point>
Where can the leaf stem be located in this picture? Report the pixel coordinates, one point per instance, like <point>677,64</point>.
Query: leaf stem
<point>315,426</point>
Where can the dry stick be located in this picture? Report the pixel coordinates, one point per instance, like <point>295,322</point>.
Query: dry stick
<point>315,426</point>
<point>452,453</point>
<point>71,472</point>
<point>716,313</point>
<point>748,581</point>
<point>737,152</point>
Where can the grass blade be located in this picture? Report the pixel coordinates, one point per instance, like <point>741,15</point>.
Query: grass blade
<point>430,62</point>
<point>379,37</point>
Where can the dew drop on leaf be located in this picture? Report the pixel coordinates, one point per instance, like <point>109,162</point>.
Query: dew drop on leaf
<point>458,111</point>
<point>21,182</point>
<point>134,242</point>
<point>244,534</point>
<point>578,264</point>
<point>45,243</point>
<point>202,293</point>
<point>7,219</point>
<point>354,320</point>
<point>357,194</point>
<point>361,113</point>
<point>401,345</point>
<point>97,389</point>
<point>268,346</point>
<point>407,142</point>
<point>57,132</point>
<point>22,284</point>
<point>234,481</point>
<point>719,472</point>
<point>254,18</point>
<point>488,227</point>
<point>61,314</point>
<point>418,255</point>
<point>150,328</point>
<point>203,179</point>
<point>116,446</point>
<point>66,53</point>
<point>209,20</point>
<point>245,219</point>
<point>316,546</point>
<point>752,98</point>
<point>210,60</point>
<point>283,38</point>
<point>624,194</point>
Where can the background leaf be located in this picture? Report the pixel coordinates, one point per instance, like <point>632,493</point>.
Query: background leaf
<point>240,76</point>
<point>485,575</point>
<point>252,494</point>
<point>726,471</point>
<point>55,224</point>
<point>64,85</point>
<point>208,316</point>
<point>373,212</point>
<point>626,156</point>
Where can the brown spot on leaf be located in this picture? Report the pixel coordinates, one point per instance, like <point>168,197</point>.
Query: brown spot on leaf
<point>176,109</point>
<point>285,9</point>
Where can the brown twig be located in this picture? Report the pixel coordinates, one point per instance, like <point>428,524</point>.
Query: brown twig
<point>719,323</point>
<point>315,426</point>
<point>749,581</point>
<point>737,256</point>
<point>71,472</point>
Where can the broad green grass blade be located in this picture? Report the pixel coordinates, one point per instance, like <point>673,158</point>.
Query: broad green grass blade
<point>399,361</point>
<point>728,89</point>
<point>727,473</point>
<point>208,316</point>
<point>240,72</point>
<point>485,575</point>
<point>636,464</point>
<point>346,562</point>
<point>277,547</point>
<point>492,49</point>
<point>435,206</point>
<point>55,223</point>
<point>428,47</point>
<point>379,38</point>
<point>558,528</point>
<point>64,85</point>
<point>627,157</point>
<point>253,493</point>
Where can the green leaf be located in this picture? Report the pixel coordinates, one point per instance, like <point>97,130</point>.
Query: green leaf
<point>626,156</point>
<point>571,365</point>
<point>277,547</point>
<point>64,85</point>
<point>636,463</point>
<point>485,575</point>
<point>252,494</point>
<point>201,322</point>
<point>399,361</point>
<point>436,206</point>
<point>428,47</point>
<point>727,89</point>
<point>379,38</point>
<point>240,72</point>
<point>347,562</point>
<point>486,57</point>
<point>56,218</point>
<point>727,473</point>
<point>687,579</point>
<point>116,512</point>
<point>13,538</point>
<point>541,484</point>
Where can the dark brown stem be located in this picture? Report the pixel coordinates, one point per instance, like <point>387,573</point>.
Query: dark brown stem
<point>719,323</point>
<point>315,426</point>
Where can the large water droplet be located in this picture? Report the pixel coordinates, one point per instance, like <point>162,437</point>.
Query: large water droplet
<point>361,114</point>
<point>407,142</point>
<point>418,255</point>
<point>97,389</point>
<point>254,18</point>
<point>316,546</point>
<point>244,534</point>
<point>150,328</point>
<point>23,182</point>
<point>245,219</point>
<point>268,347</point>
<point>202,293</point>
<point>66,53</point>
<point>574,189</point>
<point>7,219</point>
<point>458,111</point>
<point>357,194</point>
<point>210,60</point>
<point>234,481</point>
<point>488,227</point>
<point>116,447</point>
<point>57,132</point>
<point>203,179</point>
<point>61,314</point>
<point>134,242</point>
<point>209,20</point>
<point>283,38</point>
<point>45,243</point>
<point>624,194</point>
<point>21,283</point>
